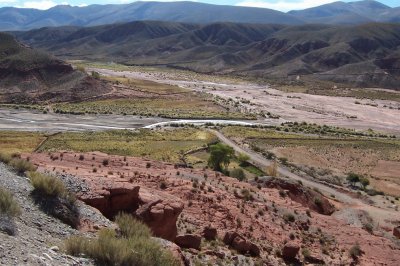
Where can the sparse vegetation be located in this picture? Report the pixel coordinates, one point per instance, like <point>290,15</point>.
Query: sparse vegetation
<point>237,173</point>
<point>116,248</point>
<point>47,185</point>
<point>21,166</point>
<point>166,145</point>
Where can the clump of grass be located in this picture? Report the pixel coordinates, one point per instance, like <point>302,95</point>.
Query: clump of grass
<point>5,158</point>
<point>21,166</point>
<point>8,206</point>
<point>130,245</point>
<point>47,185</point>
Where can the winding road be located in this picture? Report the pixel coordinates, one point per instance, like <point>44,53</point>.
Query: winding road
<point>380,215</point>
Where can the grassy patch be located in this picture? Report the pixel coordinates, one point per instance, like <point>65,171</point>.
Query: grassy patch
<point>164,145</point>
<point>19,142</point>
<point>182,107</point>
<point>21,166</point>
<point>47,185</point>
<point>132,246</point>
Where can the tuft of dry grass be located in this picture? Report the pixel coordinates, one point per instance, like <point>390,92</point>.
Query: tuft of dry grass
<point>8,205</point>
<point>132,245</point>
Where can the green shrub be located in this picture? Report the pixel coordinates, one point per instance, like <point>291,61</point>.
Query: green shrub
<point>21,166</point>
<point>47,185</point>
<point>8,206</point>
<point>238,174</point>
<point>133,245</point>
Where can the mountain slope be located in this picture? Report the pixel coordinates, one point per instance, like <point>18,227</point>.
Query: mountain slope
<point>27,75</point>
<point>189,12</point>
<point>350,52</point>
<point>344,13</point>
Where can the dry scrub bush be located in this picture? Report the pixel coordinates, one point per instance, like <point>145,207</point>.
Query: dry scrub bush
<point>21,166</point>
<point>50,186</point>
<point>131,245</point>
<point>8,206</point>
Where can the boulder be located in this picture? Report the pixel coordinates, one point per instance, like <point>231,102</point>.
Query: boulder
<point>188,241</point>
<point>239,243</point>
<point>396,232</point>
<point>290,251</point>
<point>161,216</point>
<point>210,233</point>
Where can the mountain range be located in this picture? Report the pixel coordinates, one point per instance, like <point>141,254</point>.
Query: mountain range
<point>192,12</point>
<point>364,55</point>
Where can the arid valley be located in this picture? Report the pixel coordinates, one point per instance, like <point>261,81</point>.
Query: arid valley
<point>179,142</point>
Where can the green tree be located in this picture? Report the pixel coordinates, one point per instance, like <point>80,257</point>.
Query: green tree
<point>353,178</point>
<point>364,182</point>
<point>220,156</point>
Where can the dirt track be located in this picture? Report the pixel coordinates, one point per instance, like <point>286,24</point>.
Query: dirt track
<point>381,216</point>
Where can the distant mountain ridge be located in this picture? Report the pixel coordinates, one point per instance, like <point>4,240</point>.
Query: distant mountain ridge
<point>12,19</point>
<point>364,55</point>
<point>349,13</point>
<point>188,12</point>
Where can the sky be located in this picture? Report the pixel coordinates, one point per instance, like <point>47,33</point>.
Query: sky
<point>282,5</point>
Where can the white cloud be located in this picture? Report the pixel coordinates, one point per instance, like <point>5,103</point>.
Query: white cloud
<point>285,5</point>
<point>44,4</point>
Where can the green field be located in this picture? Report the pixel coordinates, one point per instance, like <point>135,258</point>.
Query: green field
<point>19,142</point>
<point>165,145</point>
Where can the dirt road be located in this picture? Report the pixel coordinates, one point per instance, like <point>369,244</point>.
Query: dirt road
<point>381,216</point>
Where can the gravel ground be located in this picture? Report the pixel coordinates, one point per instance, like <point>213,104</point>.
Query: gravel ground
<point>39,236</point>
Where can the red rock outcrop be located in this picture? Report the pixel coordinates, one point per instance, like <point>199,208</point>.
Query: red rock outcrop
<point>396,232</point>
<point>116,197</point>
<point>188,241</point>
<point>161,216</point>
<point>302,195</point>
<point>261,218</point>
<point>210,233</point>
<point>239,243</point>
<point>290,251</point>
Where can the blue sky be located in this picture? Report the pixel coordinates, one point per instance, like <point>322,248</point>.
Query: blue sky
<point>283,5</point>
